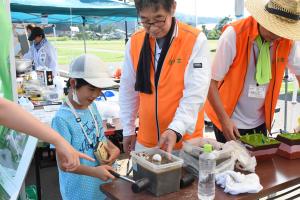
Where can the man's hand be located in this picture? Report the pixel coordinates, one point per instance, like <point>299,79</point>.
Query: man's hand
<point>229,130</point>
<point>167,140</point>
<point>129,143</point>
<point>68,157</point>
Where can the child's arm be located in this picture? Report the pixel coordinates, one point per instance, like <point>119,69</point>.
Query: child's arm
<point>100,172</point>
<point>15,117</point>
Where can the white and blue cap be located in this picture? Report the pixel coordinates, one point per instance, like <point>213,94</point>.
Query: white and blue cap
<point>93,70</point>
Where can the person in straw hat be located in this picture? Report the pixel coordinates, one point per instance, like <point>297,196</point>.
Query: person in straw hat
<point>80,123</point>
<point>249,66</point>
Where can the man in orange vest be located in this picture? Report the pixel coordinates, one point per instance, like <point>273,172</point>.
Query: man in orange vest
<point>165,79</point>
<point>248,69</point>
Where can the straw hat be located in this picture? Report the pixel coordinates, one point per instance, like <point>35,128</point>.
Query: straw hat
<point>281,17</point>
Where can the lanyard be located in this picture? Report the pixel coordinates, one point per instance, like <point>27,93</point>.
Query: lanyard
<point>255,62</point>
<point>78,119</point>
<point>254,56</point>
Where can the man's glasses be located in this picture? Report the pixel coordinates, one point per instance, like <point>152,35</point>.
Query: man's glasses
<point>156,23</point>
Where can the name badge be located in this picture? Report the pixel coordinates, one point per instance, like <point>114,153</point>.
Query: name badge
<point>257,91</point>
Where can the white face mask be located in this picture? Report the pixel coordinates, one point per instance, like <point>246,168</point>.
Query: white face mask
<point>75,97</point>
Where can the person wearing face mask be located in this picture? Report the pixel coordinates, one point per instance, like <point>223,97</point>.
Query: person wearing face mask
<point>165,79</point>
<point>249,66</point>
<point>80,123</point>
<point>41,52</point>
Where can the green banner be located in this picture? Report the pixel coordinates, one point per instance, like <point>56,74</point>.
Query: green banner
<point>5,76</point>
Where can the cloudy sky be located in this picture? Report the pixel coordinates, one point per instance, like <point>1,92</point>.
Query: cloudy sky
<point>207,8</point>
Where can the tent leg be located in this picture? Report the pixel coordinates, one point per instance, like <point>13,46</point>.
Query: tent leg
<point>126,32</point>
<point>83,27</point>
<point>286,76</point>
<point>54,32</point>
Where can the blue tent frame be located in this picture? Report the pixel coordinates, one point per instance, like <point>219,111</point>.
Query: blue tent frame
<point>73,11</point>
<point>19,17</point>
<point>64,11</point>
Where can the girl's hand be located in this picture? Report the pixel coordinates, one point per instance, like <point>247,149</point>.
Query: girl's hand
<point>102,172</point>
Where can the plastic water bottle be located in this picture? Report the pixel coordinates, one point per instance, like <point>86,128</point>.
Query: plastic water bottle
<point>207,165</point>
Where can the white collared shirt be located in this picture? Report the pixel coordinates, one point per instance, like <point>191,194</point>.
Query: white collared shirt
<point>196,84</point>
<point>46,56</point>
<point>249,112</point>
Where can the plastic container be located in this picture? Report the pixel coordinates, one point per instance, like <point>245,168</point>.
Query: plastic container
<point>207,165</point>
<point>190,154</point>
<point>164,178</point>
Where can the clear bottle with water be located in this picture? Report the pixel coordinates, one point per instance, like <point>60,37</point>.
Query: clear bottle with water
<point>207,165</point>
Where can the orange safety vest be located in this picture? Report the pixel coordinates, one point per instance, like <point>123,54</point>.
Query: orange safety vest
<point>231,87</point>
<point>170,87</point>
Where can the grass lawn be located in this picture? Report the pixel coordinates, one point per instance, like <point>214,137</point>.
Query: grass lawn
<point>290,87</point>
<point>65,55</point>
<point>107,50</point>
<point>110,51</point>
<point>97,44</point>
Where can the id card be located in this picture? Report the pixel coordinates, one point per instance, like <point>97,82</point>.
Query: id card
<point>257,91</point>
<point>100,151</point>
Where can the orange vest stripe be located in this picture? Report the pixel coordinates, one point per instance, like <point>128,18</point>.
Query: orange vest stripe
<point>232,86</point>
<point>169,91</point>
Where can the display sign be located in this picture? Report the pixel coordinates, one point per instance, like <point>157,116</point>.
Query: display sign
<point>16,149</point>
<point>16,152</point>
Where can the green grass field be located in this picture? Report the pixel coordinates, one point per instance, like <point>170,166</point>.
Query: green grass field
<point>108,51</point>
<point>97,44</point>
<point>290,87</point>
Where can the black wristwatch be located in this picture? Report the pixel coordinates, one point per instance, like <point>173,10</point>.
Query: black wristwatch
<point>178,135</point>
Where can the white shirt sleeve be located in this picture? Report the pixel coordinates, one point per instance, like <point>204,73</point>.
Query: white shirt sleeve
<point>294,59</point>
<point>51,58</point>
<point>226,52</point>
<point>29,54</point>
<point>196,84</point>
<point>129,98</point>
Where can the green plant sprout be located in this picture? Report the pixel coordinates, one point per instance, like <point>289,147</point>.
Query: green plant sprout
<point>291,136</point>
<point>258,139</point>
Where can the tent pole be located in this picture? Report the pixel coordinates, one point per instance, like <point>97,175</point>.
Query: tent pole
<point>54,32</point>
<point>286,76</point>
<point>126,32</point>
<point>83,34</point>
